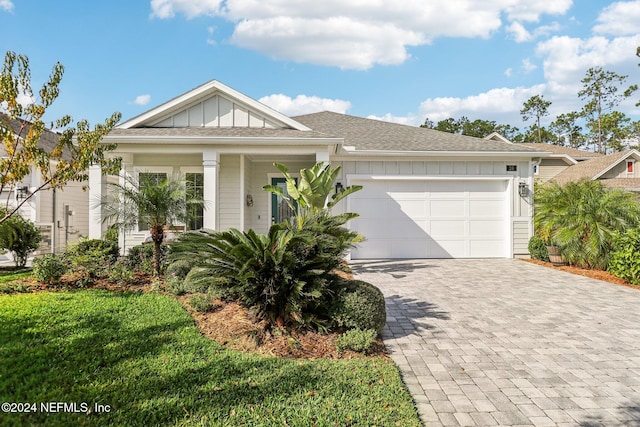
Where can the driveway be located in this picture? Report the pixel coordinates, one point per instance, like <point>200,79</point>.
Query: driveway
<point>506,342</point>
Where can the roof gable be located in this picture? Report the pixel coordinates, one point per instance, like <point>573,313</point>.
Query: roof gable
<point>594,168</point>
<point>212,105</point>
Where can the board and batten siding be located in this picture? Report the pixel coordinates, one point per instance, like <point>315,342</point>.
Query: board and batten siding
<point>521,208</point>
<point>620,170</point>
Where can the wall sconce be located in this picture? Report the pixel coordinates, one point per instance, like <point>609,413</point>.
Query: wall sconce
<point>523,190</point>
<point>249,200</point>
<point>22,192</point>
<point>339,187</point>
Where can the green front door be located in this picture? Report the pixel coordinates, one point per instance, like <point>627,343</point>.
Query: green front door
<point>280,210</point>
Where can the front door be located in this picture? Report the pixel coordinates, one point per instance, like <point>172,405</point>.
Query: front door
<point>280,210</point>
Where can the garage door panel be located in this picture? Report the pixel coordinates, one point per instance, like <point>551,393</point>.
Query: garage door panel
<point>447,208</point>
<point>409,218</point>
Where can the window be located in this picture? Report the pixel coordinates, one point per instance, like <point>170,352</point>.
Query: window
<point>195,189</point>
<point>536,169</point>
<point>629,166</point>
<point>149,178</point>
<point>512,168</point>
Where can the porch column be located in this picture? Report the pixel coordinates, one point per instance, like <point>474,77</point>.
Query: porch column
<point>210,160</point>
<point>322,157</point>
<point>124,181</point>
<point>96,187</point>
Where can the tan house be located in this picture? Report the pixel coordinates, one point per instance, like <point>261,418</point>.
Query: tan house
<point>427,194</point>
<point>61,215</point>
<point>560,159</point>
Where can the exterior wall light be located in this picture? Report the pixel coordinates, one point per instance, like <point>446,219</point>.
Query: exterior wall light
<point>523,190</point>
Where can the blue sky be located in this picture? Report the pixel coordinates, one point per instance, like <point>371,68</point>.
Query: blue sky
<point>398,61</point>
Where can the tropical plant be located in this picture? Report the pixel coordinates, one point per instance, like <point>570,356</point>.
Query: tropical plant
<point>315,192</point>
<point>285,277</point>
<point>19,236</point>
<point>157,205</point>
<point>582,217</point>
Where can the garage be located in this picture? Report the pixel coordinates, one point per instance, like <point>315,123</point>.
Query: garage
<point>431,218</point>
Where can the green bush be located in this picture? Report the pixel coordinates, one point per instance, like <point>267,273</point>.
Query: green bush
<point>201,303</point>
<point>140,258</point>
<point>625,257</point>
<point>49,268</point>
<point>93,255</point>
<point>359,305</point>
<point>198,280</point>
<point>120,273</point>
<point>179,268</point>
<point>538,249</point>
<point>175,285</point>
<point>19,236</point>
<point>356,340</point>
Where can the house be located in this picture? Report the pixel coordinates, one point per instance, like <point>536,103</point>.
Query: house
<point>62,215</point>
<point>427,194</point>
<point>560,159</point>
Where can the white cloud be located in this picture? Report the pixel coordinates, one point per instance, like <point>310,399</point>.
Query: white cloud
<point>6,5</point>
<point>190,8</point>
<point>356,34</point>
<point>619,19</point>
<point>410,119</point>
<point>508,72</point>
<point>528,66</point>
<point>303,104</point>
<point>142,99</point>
<point>519,33</point>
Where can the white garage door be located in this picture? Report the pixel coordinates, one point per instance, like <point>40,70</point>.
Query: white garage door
<point>430,219</point>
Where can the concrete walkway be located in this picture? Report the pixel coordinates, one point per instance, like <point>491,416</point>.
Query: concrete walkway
<point>506,342</point>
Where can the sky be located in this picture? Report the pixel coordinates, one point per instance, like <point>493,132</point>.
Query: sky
<point>396,61</point>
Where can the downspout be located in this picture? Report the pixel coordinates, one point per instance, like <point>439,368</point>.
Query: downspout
<point>54,229</point>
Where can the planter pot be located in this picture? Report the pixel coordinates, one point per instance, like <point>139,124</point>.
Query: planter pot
<point>555,257</point>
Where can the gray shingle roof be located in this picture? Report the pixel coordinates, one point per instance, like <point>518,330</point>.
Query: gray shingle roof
<point>369,134</point>
<point>215,132</point>
<point>48,140</point>
<point>558,149</point>
<point>589,168</point>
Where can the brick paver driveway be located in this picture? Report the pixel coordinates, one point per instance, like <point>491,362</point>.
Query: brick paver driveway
<point>506,342</point>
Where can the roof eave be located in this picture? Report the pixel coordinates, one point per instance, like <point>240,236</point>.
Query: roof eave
<point>208,140</point>
<point>433,153</point>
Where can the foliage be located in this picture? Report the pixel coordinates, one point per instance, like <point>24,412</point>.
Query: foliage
<point>536,108</point>
<point>22,127</point>
<point>201,303</point>
<point>175,285</point>
<point>567,129</point>
<point>179,268</point>
<point>478,128</point>
<point>581,218</point>
<point>141,353</point>
<point>538,249</point>
<point>600,92</point>
<point>121,273</point>
<point>20,236</point>
<point>158,205</point>
<point>359,305</point>
<point>315,192</point>
<point>356,340</point>
<point>198,280</point>
<point>95,256</point>
<point>625,257</point>
<point>141,258</point>
<point>49,268</point>
<point>285,276</point>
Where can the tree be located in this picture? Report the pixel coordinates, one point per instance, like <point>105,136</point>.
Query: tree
<point>536,108</point>
<point>19,236</point>
<point>155,204</point>
<point>566,129</point>
<point>600,91</point>
<point>21,128</point>
<point>582,218</point>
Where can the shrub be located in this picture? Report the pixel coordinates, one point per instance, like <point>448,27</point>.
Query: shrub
<point>625,258</point>
<point>175,285</point>
<point>582,217</point>
<point>179,268</point>
<point>19,236</point>
<point>93,255</point>
<point>141,258</point>
<point>356,340</point>
<point>49,268</point>
<point>359,305</point>
<point>538,249</point>
<point>201,303</point>
<point>122,274</point>
<point>199,280</point>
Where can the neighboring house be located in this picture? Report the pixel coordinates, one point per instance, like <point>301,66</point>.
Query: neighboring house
<point>61,215</point>
<point>427,194</point>
<point>560,159</point>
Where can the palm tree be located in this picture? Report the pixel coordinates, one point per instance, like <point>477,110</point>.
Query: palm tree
<point>581,218</point>
<point>154,204</point>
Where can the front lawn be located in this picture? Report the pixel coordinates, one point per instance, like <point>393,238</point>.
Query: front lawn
<point>141,354</point>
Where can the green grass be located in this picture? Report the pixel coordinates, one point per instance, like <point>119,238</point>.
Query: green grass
<point>142,355</point>
<point>12,281</point>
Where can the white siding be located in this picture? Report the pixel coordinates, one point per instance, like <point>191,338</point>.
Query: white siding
<point>521,236</point>
<point>549,168</point>
<point>229,192</point>
<point>248,190</point>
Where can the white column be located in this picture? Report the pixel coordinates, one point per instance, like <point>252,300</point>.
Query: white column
<point>322,157</point>
<point>125,182</point>
<point>242,193</point>
<point>96,184</point>
<point>210,161</point>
